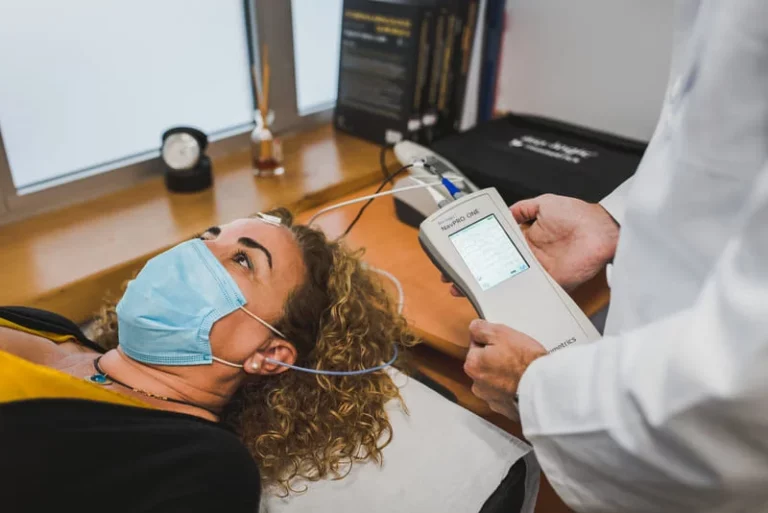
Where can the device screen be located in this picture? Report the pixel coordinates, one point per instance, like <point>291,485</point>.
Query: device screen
<point>488,252</point>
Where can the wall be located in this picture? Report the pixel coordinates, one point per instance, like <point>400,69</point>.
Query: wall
<point>598,63</point>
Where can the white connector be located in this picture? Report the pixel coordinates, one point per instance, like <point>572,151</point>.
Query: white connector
<point>431,190</point>
<point>393,136</point>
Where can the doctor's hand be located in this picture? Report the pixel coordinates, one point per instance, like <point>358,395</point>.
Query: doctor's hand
<point>571,238</point>
<point>497,358</point>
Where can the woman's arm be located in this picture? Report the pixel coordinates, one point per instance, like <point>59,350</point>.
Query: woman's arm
<point>40,336</point>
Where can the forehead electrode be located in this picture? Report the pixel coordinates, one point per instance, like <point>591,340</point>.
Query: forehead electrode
<point>267,218</point>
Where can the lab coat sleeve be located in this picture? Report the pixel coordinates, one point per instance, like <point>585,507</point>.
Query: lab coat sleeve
<point>671,415</point>
<point>615,202</point>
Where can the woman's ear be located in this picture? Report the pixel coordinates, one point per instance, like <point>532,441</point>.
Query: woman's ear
<point>277,349</point>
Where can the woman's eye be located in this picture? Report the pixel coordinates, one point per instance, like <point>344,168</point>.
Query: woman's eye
<point>243,260</point>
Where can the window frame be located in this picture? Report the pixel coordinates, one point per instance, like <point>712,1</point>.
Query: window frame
<point>268,22</point>
<point>5,178</point>
<point>274,27</point>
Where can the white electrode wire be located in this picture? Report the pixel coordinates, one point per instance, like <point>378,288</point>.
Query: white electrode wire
<point>393,279</point>
<point>366,198</point>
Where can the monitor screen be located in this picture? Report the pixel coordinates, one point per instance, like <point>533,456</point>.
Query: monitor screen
<point>488,252</point>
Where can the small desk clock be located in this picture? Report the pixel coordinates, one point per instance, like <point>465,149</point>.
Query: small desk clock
<point>187,167</point>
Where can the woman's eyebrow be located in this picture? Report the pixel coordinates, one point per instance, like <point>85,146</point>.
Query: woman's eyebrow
<point>213,230</point>
<point>250,243</point>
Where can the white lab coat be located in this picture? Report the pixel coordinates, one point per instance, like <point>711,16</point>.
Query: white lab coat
<point>669,411</point>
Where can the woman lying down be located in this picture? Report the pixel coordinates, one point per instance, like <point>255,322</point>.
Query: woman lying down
<point>189,409</point>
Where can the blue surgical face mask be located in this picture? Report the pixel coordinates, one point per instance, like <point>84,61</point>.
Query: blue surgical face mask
<point>166,314</point>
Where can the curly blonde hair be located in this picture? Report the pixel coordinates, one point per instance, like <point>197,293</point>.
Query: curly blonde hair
<point>301,426</point>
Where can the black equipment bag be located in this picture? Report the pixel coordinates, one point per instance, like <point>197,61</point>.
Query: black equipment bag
<point>524,156</point>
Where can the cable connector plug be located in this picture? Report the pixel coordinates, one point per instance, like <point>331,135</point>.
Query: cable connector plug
<point>452,189</point>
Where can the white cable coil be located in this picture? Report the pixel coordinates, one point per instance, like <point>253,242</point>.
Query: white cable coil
<point>393,279</point>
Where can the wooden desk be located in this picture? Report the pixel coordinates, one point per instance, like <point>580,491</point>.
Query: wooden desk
<point>66,261</point>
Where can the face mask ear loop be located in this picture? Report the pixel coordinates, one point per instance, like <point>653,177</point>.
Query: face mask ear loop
<point>224,362</point>
<point>265,323</point>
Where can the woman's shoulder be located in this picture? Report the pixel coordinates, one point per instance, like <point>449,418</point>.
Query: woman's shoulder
<point>40,336</point>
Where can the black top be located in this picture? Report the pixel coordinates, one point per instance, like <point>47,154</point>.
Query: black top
<point>80,455</point>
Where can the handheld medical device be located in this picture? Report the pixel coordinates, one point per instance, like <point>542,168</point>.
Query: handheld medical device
<point>476,243</point>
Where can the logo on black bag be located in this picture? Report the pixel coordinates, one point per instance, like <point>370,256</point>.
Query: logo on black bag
<point>556,149</point>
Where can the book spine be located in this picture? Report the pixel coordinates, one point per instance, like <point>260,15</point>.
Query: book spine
<point>429,118</point>
<point>449,72</point>
<point>421,86</point>
<point>446,70</point>
<point>494,31</point>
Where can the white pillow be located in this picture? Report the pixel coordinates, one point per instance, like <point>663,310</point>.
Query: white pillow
<point>442,458</point>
